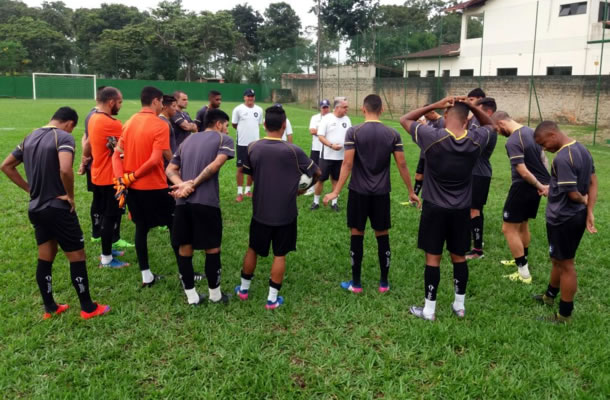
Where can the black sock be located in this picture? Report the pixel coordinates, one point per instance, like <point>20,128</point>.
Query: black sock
<point>247,277</point>
<point>142,246</point>
<point>44,277</point>
<point>552,291</point>
<point>476,227</point>
<point>80,281</point>
<point>525,252</point>
<point>521,261</point>
<point>274,285</point>
<point>418,186</point>
<point>460,277</point>
<point>355,251</point>
<point>384,254</point>
<point>432,277</point>
<point>96,222</point>
<point>185,267</point>
<point>212,270</point>
<point>107,232</point>
<point>565,308</point>
<point>116,233</point>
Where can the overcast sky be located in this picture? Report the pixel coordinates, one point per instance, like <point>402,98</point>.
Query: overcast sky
<point>301,6</point>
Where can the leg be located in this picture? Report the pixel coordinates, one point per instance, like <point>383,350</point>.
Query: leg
<point>240,182</point>
<point>526,237</point>
<point>107,232</point>
<point>212,273</point>
<point>317,193</point>
<point>568,286</point>
<point>356,253</point>
<point>512,233</point>
<point>432,278</point>
<point>278,267</point>
<point>247,273</point>
<point>384,255</point>
<point>476,227</point>
<point>80,280</point>
<point>44,275</point>
<point>116,233</point>
<point>460,281</point>
<point>142,252</point>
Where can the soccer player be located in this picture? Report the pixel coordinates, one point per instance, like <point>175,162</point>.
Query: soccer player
<point>331,133</point>
<point>435,120</point>
<point>104,132</point>
<point>287,135</point>
<point>198,221</point>
<point>214,101</point>
<point>48,155</point>
<point>169,109</point>
<point>572,198</point>
<point>368,149</point>
<point>183,124</point>
<point>316,146</point>
<point>481,179</point>
<point>475,95</point>
<point>145,138</point>
<point>530,179</point>
<point>246,119</point>
<point>276,166</point>
<point>451,154</point>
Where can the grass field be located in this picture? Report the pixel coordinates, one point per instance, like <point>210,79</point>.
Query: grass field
<point>323,343</point>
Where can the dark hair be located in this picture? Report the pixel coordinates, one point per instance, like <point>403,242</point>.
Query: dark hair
<point>460,111</point>
<point>274,118</point>
<point>546,127</point>
<point>106,94</point>
<point>372,103</point>
<point>214,115</point>
<point>65,114</point>
<point>478,92</point>
<point>100,88</point>
<point>488,104</point>
<point>500,116</point>
<point>177,94</point>
<point>168,100</point>
<point>213,93</point>
<point>148,94</point>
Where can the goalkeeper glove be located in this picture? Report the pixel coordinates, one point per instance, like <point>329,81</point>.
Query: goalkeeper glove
<point>120,192</point>
<point>128,178</point>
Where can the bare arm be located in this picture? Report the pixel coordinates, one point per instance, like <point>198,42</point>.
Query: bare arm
<point>327,143</point>
<point>401,163</point>
<point>9,167</point>
<point>412,116</point>
<point>313,131</point>
<point>167,155</point>
<point>173,174</point>
<point>576,197</point>
<point>234,126</point>
<point>346,170</point>
<point>66,173</point>
<point>210,170</point>
<point>591,204</point>
<point>289,137</point>
<point>531,179</point>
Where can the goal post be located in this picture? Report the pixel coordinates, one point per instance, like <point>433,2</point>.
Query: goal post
<point>47,85</point>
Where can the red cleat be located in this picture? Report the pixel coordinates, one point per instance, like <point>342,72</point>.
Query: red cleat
<point>60,308</point>
<point>248,194</point>
<point>100,310</point>
<point>239,198</point>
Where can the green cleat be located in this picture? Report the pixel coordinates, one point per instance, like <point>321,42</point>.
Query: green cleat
<point>96,240</point>
<point>122,244</point>
<point>544,299</point>
<point>508,263</point>
<point>517,277</point>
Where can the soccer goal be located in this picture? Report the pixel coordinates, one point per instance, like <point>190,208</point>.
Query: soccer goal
<point>63,86</point>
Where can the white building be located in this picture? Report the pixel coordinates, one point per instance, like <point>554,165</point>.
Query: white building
<point>568,40</point>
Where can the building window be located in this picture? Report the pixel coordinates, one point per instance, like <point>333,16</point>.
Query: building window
<point>446,73</point>
<point>474,26</point>
<point>507,71</point>
<point>413,74</point>
<point>430,73</point>
<point>559,70</point>
<point>604,14</point>
<point>573,9</point>
<point>467,72</point>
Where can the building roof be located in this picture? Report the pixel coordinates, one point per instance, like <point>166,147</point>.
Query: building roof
<point>466,4</point>
<point>445,50</point>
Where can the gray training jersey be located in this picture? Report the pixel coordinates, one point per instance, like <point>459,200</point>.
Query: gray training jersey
<point>523,149</point>
<point>374,144</point>
<point>571,171</point>
<point>39,153</point>
<point>198,151</point>
<point>483,165</point>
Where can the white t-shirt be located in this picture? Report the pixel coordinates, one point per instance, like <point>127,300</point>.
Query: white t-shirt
<point>287,131</point>
<point>248,120</point>
<point>334,130</point>
<point>314,123</point>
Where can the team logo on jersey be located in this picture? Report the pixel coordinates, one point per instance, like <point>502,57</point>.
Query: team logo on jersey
<point>255,115</point>
<point>344,124</point>
<point>505,214</point>
<point>551,249</point>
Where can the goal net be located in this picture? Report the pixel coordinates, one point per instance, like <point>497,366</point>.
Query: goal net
<point>63,86</point>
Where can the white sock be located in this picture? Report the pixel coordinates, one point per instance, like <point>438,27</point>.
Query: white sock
<point>458,303</point>
<point>334,202</point>
<point>316,198</point>
<point>524,271</point>
<point>248,189</point>
<point>429,307</point>
<point>215,294</point>
<point>272,294</point>
<point>106,259</point>
<point>147,276</point>
<point>240,190</point>
<point>245,284</point>
<point>192,296</point>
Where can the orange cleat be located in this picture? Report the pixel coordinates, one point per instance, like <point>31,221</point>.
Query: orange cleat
<point>239,198</point>
<point>60,308</point>
<point>100,310</point>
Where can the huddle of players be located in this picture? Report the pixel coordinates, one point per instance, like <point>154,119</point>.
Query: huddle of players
<point>137,163</point>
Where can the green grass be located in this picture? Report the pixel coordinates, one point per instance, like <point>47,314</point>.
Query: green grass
<point>323,343</point>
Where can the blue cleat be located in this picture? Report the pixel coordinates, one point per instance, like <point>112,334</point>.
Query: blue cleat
<point>114,264</point>
<point>349,286</point>
<point>273,305</point>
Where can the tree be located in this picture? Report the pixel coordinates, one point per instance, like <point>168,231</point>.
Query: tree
<point>13,57</point>
<point>346,18</point>
<point>247,21</point>
<point>14,10</point>
<point>56,14</point>
<point>122,53</point>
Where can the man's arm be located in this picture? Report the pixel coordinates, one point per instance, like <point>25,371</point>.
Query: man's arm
<point>9,167</point>
<point>401,163</point>
<point>412,116</point>
<point>483,118</point>
<point>66,173</point>
<point>531,179</point>
<point>86,156</point>
<point>346,170</point>
<point>155,158</point>
<point>591,204</point>
<point>210,170</point>
<point>313,131</point>
<point>167,155</point>
<point>289,138</point>
<point>188,126</point>
<point>117,162</point>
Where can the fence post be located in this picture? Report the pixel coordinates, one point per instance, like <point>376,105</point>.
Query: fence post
<point>529,107</point>
<point>481,60</point>
<point>440,44</point>
<point>601,64</point>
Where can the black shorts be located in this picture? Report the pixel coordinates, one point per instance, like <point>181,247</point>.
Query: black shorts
<point>151,207</point>
<point>58,224</point>
<point>521,204</point>
<point>330,168</point>
<point>565,238</point>
<point>480,191</point>
<point>241,153</point>
<point>104,202</point>
<point>283,238</point>
<point>421,164</point>
<point>360,207</point>
<point>439,225</point>
<point>315,156</point>
<point>198,225</point>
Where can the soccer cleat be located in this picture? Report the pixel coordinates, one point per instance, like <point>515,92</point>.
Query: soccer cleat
<point>474,254</point>
<point>544,299</point>
<point>224,299</point>
<point>115,264</point>
<point>334,207</point>
<point>556,319</point>
<point>458,313</point>
<point>351,288</point>
<point>60,308</point>
<point>239,198</point>
<point>419,313</point>
<point>243,294</point>
<point>200,301</point>
<point>162,228</point>
<point>309,191</point>
<point>118,253</point>
<point>508,263</point>
<point>96,239</point>
<point>198,277</point>
<point>384,287</point>
<point>272,305</point>
<point>122,243</point>
<point>314,206</point>
<point>156,279</point>
<point>516,276</point>
<point>248,194</point>
<point>101,309</point>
